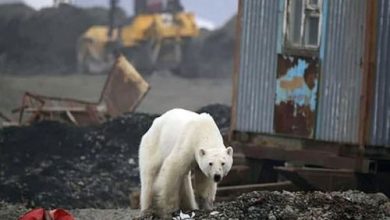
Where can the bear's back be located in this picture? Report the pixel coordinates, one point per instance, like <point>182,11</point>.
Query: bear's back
<point>170,126</point>
<point>179,115</point>
<point>177,125</point>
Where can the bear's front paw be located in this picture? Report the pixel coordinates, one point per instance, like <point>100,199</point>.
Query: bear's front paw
<point>148,213</point>
<point>208,206</point>
<point>167,214</point>
<point>205,204</point>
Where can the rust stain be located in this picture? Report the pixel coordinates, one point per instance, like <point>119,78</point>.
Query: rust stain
<point>296,96</point>
<point>295,83</point>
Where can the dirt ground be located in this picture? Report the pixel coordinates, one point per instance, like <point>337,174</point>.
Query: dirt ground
<point>257,205</point>
<point>167,90</point>
<point>14,211</point>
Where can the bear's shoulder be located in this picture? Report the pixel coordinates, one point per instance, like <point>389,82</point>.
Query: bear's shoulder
<point>179,113</point>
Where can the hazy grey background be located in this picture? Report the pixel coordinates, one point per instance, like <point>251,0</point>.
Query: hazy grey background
<point>216,11</point>
<point>211,69</point>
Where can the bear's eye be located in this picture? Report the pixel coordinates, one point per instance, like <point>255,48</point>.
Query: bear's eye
<point>223,164</point>
<point>210,164</point>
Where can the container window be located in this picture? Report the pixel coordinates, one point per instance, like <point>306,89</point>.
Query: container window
<point>302,24</point>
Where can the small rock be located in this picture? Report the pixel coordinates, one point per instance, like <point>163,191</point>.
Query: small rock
<point>131,161</point>
<point>251,209</point>
<point>386,208</point>
<point>214,213</point>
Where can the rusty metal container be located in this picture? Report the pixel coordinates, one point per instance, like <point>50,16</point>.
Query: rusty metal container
<point>380,117</point>
<point>315,96</point>
<point>256,81</point>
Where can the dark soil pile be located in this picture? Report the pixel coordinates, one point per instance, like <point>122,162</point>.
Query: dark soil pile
<point>220,113</point>
<point>55,165</point>
<point>44,41</point>
<point>51,164</point>
<point>8,12</point>
<point>212,54</point>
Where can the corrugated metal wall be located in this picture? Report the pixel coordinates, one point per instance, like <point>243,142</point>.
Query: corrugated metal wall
<point>341,72</point>
<point>257,73</point>
<point>380,126</point>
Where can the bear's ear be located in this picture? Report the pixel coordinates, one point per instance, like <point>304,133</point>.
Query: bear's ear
<point>202,152</point>
<point>229,151</point>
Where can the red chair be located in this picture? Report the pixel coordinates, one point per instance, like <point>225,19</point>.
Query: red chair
<point>42,214</point>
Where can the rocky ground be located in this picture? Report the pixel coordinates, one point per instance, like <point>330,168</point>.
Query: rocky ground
<point>300,205</point>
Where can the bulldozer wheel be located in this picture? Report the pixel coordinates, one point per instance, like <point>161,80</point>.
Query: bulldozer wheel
<point>141,57</point>
<point>93,66</point>
<point>187,60</point>
<point>89,64</point>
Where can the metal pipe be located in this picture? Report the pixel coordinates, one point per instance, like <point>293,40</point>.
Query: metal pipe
<point>367,79</point>
<point>236,68</point>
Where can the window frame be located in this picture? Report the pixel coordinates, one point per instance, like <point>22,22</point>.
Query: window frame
<point>308,11</point>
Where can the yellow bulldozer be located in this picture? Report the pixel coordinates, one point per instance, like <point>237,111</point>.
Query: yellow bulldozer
<point>156,37</point>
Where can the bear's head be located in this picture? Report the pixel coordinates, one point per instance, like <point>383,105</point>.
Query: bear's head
<point>215,163</point>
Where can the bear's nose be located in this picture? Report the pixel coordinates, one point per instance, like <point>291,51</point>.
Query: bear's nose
<point>217,177</point>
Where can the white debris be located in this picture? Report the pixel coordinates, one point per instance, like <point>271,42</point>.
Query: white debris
<point>184,216</point>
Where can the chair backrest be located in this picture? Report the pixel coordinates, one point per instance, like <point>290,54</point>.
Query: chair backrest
<point>124,89</point>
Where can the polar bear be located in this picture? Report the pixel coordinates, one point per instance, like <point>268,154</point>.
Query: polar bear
<point>177,142</point>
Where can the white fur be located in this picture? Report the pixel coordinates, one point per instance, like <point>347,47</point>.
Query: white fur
<point>177,142</point>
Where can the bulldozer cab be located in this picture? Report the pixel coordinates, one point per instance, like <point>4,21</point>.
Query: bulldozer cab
<point>157,6</point>
<point>156,38</point>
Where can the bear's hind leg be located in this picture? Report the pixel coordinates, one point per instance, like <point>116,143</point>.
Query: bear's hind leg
<point>188,202</point>
<point>168,185</point>
<point>148,172</point>
<point>147,179</point>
